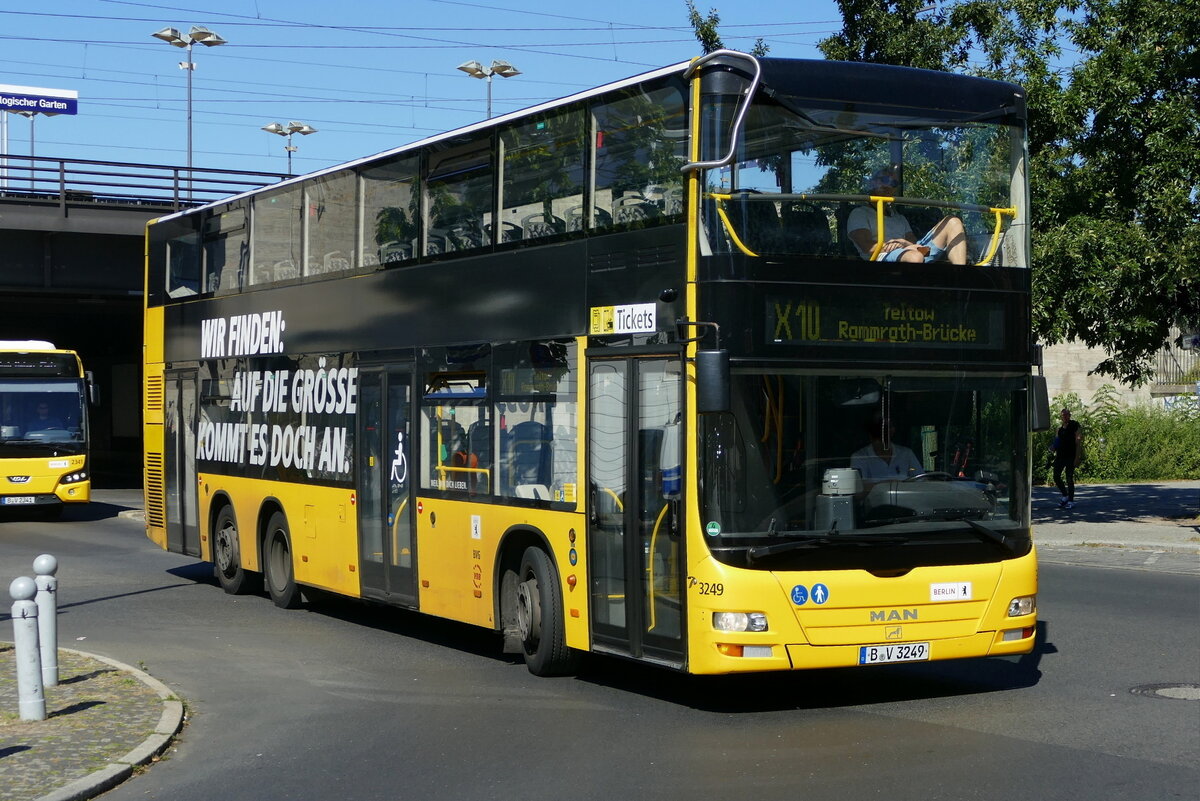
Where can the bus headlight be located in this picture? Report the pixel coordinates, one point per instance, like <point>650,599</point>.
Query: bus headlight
<point>739,621</point>
<point>74,478</point>
<point>1025,605</point>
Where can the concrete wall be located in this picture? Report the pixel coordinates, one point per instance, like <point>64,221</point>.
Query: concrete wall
<point>1067,366</point>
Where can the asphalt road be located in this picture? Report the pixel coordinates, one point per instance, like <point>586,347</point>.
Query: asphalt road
<point>351,702</point>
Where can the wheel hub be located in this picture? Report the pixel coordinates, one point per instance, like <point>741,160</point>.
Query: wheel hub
<point>529,611</point>
<point>224,548</point>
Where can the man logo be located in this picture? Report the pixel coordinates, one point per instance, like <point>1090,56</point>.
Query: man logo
<point>893,633</point>
<point>893,615</point>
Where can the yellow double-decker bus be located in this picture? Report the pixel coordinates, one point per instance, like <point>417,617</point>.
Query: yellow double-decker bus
<point>44,395</point>
<point>627,372</point>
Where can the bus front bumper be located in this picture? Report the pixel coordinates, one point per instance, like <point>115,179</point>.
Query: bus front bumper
<point>761,657</point>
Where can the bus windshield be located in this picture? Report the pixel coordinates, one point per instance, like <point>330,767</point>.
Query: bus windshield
<point>43,416</point>
<point>808,173</point>
<point>820,470</point>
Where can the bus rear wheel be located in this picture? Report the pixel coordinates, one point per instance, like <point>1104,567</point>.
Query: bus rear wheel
<point>280,574</point>
<point>227,555</point>
<point>540,617</point>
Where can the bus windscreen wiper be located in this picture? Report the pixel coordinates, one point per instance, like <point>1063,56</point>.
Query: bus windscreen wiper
<point>802,541</point>
<point>989,534</point>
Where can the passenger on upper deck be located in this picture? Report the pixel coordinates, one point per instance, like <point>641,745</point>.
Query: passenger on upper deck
<point>946,240</point>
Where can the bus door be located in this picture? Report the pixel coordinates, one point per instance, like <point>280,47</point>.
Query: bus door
<point>179,461</point>
<point>387,546</point>
<point>635,542</point>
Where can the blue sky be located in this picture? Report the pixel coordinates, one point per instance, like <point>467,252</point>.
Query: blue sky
<point>367,74</point>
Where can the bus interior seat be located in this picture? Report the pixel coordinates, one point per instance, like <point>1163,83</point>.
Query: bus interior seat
<point>479,445</point>
<point>509,232</point>
<point>756,223</point>
<point>575,218</point>
<point>541,224</point>
<point>673,200</point>
<point>454,444</point>
<point>529,455</point>
<point>394,251</point>
<point>807,228</point>
<point>335,261</point>
<point>842,217</point>
<point>286,269</point>
<point>635,208</point>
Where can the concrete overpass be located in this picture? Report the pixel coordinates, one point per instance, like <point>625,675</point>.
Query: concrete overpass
<point>71,259</point>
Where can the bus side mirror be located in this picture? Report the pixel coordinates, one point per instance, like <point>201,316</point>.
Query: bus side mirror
<point>1039,403</point>
<point>93,391</point>
<point>712,381</point>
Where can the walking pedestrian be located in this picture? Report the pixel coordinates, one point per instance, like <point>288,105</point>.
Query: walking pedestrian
<point>1067,450</point>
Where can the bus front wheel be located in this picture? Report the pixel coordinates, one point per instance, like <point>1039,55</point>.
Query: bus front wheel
<point>281,577</point>
<point>540,616</point>
<point>227,556</point>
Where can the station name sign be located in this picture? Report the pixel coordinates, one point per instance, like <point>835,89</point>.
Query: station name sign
<point>884,319</point>
<point>37,100</point>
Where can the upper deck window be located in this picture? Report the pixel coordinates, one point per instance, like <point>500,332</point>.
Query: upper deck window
<point>641,142</point>
<point>391,216</point>
<point>804,178</point>
<point>459,198</point>
<point>330,210</point>
<point>543,175</point>
<point>278,235</point>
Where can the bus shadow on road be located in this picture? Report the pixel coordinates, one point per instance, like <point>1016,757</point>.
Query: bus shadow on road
<point>408,623</point>
<point>827,688</point>
<point>68,513</point>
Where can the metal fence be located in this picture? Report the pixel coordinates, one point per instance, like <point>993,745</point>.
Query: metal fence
<point>57,181</point>
<point>1174,366</point>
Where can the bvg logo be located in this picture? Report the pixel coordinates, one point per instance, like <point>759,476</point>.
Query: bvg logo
<point>891,615</point>
<point>806,316</point>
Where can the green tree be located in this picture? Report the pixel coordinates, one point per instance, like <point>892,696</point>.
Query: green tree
<point>1114,167</point>
<point>705,28</point>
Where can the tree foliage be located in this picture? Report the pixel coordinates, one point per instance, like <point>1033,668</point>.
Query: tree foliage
<point>1114,166</point>
<point>705,28</point>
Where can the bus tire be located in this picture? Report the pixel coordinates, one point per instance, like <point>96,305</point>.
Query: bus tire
<point>227,555</point>
<point>279,571</point>
<point>540,617</point>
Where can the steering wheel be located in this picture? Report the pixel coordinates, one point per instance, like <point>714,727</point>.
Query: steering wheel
<point>932,475</point>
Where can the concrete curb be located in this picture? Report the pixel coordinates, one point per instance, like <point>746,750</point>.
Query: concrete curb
<point>122,768</point>
<point>1101,542</point>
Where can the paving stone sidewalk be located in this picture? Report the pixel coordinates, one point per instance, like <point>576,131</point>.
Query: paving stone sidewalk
<point>103,720</point>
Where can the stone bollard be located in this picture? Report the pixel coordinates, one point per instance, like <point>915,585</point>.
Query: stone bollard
<point>45,566</point>
<point>25,636</point>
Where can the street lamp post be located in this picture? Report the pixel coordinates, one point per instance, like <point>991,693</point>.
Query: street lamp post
<point>477,70</point>
<point>204,36</point>
<point>287,131</point>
